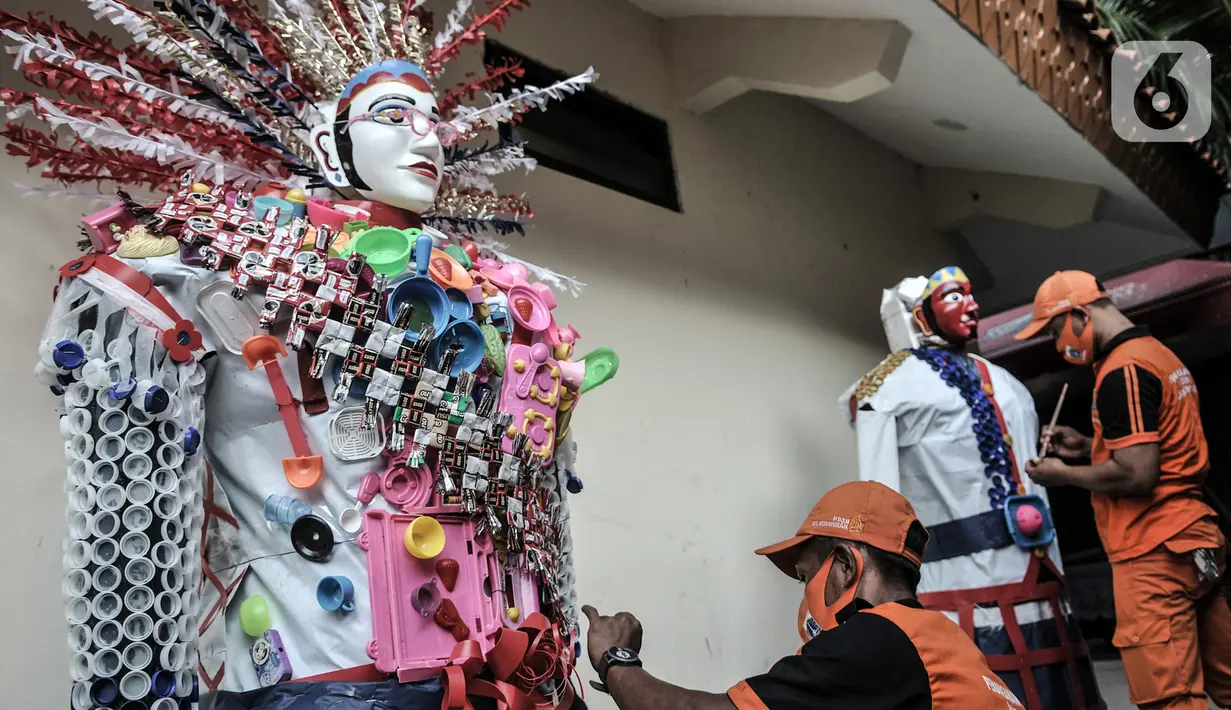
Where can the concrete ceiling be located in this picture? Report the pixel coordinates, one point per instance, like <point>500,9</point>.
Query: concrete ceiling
<point>949,75</point>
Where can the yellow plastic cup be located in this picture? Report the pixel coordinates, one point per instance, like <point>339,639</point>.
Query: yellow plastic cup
<point>425,537</point>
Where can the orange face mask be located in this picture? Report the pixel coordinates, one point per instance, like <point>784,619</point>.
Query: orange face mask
<point>815,615</point>
<point>1076,349</point>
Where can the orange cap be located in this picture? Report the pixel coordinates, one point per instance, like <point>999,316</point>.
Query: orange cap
<point>861,511</point>
<point>1060,293</point>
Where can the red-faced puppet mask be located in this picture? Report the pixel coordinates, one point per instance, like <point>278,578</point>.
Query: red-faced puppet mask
<point>948,310</point>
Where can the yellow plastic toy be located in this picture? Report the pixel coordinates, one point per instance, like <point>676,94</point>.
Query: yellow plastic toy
<point>425,537</point>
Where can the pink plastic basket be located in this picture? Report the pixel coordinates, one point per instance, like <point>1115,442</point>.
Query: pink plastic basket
<point>404,641</point>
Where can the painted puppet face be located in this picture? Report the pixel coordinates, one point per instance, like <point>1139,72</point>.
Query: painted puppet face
<point>382,139</point>
<point>955,312</point>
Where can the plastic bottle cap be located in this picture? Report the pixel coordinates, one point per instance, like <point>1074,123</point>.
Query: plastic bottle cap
<point>312,538</point>
<point>123,389</point>
<point>68,355</point>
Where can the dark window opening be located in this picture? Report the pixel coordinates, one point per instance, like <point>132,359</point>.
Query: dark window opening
<point>592,136</point>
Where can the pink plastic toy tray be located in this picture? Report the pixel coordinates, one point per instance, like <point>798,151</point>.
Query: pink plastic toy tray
<point>404,641</point>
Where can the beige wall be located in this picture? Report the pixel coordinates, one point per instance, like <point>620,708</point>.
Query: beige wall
<point>738,324</point>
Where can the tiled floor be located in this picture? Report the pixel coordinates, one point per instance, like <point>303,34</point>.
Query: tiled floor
<point>1113,686</point>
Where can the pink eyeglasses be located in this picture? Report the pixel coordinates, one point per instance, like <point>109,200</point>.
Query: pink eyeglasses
<point>419,122</point>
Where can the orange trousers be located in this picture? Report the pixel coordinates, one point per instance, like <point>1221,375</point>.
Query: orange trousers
<point>1173,632</point>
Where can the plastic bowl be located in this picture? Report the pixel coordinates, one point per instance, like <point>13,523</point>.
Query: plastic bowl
<point>466,334</point>
<point>429,300</point>
<point>261,205</point>
<point>387,249</point>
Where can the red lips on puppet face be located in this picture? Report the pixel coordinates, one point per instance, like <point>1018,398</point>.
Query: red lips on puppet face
<point>955,311</point>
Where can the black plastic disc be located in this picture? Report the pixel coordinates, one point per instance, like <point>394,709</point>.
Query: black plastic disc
<point>312,538</point>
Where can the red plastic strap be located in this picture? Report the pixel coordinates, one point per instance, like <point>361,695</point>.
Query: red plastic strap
<point>986,376</point>
<point>314,399</point>
<point>521,660</point>
<point>1023,659</point>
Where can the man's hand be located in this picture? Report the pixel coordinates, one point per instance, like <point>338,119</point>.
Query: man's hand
<point>1064,441</point>
<point>606,632</point>
<point>1048,471</point>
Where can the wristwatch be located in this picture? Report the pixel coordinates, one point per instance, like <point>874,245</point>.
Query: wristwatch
<point>615,656</point>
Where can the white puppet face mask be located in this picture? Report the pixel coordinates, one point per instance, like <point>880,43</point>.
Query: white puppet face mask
<point>383,137</point>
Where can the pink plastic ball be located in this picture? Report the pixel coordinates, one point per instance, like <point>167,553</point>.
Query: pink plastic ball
<point>1029,520</point>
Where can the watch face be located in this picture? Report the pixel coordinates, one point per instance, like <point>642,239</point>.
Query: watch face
<point>622,654</point>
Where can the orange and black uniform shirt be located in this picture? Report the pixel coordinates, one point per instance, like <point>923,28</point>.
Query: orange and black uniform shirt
<point>1143,394</point>
<point>895,656</point>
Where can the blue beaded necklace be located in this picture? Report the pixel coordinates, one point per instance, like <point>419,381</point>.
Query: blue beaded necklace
<point>959,371</point>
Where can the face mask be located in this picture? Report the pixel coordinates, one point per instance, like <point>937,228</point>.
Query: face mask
<point>815,615</point>
<point>1077,349</point>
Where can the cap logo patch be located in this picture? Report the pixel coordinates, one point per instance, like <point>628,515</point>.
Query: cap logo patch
<point>1066,303</point>
<point>838,522</point>
<point>858,523</point>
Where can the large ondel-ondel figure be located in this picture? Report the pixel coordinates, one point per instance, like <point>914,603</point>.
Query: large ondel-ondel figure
<point>950,431</point>
<point>315,426</point>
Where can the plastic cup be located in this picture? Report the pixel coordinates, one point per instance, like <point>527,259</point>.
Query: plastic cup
<point>105,551</point>
<point>167,505</point>
<point>167,605</point>
<point>165,554</point>
<point>108,634</point>
<point>139,440</point>
<point>79,638</point>
<point>165,632</point>
<point>425,537</point>
<point>139,571</point>
<point>139,599</point>
<point>137,656</point>
<point>107,578</point>
<point>134,545</point>
<point>105,525</point>
<point>80,667</point>
<point>106,606</point>
<point>137,518</point>
<point>111,497</point>
<point>82,499</point>
<point>163,684</point>
<point>80,471</point>
<point>183,683</point>
<point>172,657</point>
<point>80,525</point>
<point>135,684</point>
<point>113,421</point>
<point>138,627</point>
<point>137,466</point>
<point>164,480</point>
<point>107,663</point>
<point>77,554</point>
<point>109,448</point>
<point>172,532</point>
<point>80,697</point>
<point>104,473</point>
<point>172,580</point>
<point>77,583</point>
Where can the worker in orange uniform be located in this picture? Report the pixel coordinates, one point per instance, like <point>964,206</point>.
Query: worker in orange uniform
<point>868,643</point>
<point>1148,459</point>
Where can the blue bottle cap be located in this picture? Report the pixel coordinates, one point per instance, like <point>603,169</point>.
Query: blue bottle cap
<point>124,388</point>
<point>574,484</point>
<point>64,379</point>
<point>57,390</point>
<point>192,440</point>
<point>157,400</point>
<point>68,355</point>
<point>104,691</point>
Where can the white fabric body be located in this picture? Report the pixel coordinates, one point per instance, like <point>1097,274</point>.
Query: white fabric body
<point>915,435</point>
<point>245,442</point>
